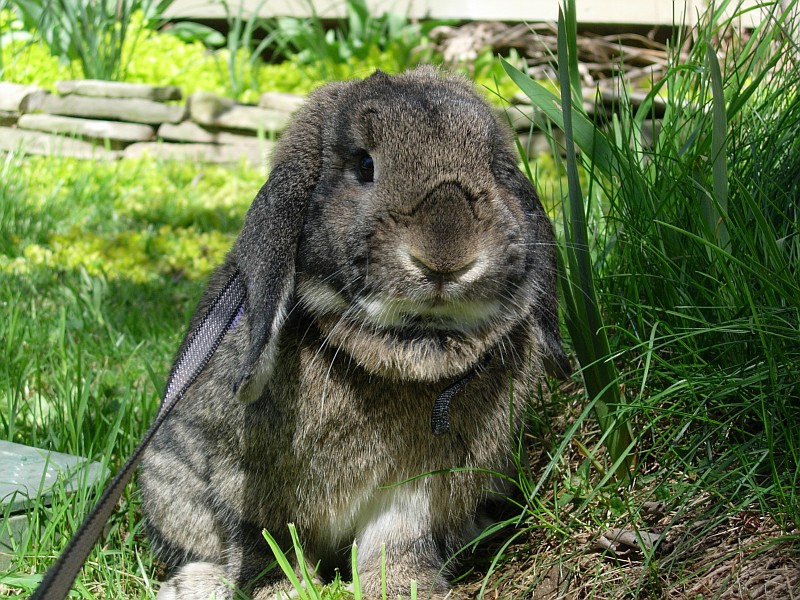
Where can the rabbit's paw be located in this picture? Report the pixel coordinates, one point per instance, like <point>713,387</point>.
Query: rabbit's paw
<point>197,581</point>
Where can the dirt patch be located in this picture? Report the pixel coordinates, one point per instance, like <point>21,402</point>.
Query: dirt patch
<point>681,554</point>
<point>679,532</point>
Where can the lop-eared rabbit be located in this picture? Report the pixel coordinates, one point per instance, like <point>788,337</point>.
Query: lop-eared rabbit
<point>395,250</point>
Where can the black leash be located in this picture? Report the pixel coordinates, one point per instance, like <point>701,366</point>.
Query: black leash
<point>440,417</point>
<point>204,341</point>
<point>220,317</point>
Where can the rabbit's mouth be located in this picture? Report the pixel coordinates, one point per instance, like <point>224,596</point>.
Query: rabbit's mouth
<point>434,314</point>
<point>420,339</point>
<point>394,313</point>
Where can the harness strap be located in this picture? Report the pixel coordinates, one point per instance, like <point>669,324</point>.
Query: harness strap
<point>203,342</point>
<point>440,416</point>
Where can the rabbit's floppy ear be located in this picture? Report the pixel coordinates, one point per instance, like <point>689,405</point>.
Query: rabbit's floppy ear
<point>267,245</point>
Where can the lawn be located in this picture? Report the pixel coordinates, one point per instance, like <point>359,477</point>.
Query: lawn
<point>668,466</point>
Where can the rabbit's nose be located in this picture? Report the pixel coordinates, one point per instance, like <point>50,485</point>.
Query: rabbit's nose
<point>442,244</point>
<point>442,272</point>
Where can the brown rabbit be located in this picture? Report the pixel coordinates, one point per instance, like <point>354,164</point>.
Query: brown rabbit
<point>395,249</point>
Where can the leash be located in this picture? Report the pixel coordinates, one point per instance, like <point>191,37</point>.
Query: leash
<point>220,317</point>
<point>440,416</point>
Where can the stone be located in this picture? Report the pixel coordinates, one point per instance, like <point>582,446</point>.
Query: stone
<point>8,118</point>
<point>281,101</point>
<point>135,110</point>
<point>14,95</point>
<point>37,142</point>
<point>523,117</point>
<point>215,111</point>
<point>89,128</point>
<point>255,153</point>
<point>30,477</point>
<point>114,89</point>
<point>205,107</point>
<point>189,131</point>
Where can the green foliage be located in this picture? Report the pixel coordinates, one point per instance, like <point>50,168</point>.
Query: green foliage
<point>100,35</point>
<point>151,223</point>
<point>361,41</point>
<point>696,259</point>
<point>312,54</point>
<point>303,582</point>
<point>709,216</point>
<point>582,312</point>
<point>191,66</point>
<point>11,30</point>
<point>243,52</point>
<point>487,72</point>
<point>24,60</point>
<point>85,340</point>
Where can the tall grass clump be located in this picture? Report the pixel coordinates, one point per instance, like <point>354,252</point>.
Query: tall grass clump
<point>101,34</point>
<point>697,259</point>
<point>244,49</point>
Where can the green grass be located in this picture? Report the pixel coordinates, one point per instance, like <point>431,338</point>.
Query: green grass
<point>86,345</point>
<point>692,246</point>
<point>689,243</point>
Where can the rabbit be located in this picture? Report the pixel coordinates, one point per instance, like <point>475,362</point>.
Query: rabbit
<point>395,249</point>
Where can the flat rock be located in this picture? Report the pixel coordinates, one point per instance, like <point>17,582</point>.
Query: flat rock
<point>189,131</point>
<point>114,89</point>
<point>135,110</point>
<point>281,101</point>
<point>255,153</point>
<point>523,116</point>
<point>14,95</point>
<point>214,111</point>
<point>29,473</point>
<point>8,118</point>
<point>205,107</point>
<point>37,142</point>
<point>536,143</point>
<point>90,128</point>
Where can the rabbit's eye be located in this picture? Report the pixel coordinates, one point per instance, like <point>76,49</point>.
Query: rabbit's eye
<point>366,169</point>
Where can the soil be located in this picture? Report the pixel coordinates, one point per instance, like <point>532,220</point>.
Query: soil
<point>744,556</point>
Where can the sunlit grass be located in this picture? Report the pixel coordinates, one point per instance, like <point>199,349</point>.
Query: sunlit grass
<point>696,251</point>
<point>693,251</point>
<point>87,337</point>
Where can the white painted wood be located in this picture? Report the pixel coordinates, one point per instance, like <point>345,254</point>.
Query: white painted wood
<point>641,12</point>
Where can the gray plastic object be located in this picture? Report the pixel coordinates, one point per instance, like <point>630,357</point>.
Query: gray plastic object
<point>29,475</point>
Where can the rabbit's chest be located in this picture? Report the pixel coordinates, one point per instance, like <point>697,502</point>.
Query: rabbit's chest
<point>352,439</point>
<point>345,418</point>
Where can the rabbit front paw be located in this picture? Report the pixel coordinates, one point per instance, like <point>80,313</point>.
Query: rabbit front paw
<point>208,581</point>
<point>197,581</point>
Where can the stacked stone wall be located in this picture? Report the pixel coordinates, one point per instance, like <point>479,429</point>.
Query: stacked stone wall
<point>108,120</point>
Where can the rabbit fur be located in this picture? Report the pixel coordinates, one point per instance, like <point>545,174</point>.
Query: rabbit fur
<point>395,248</point>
